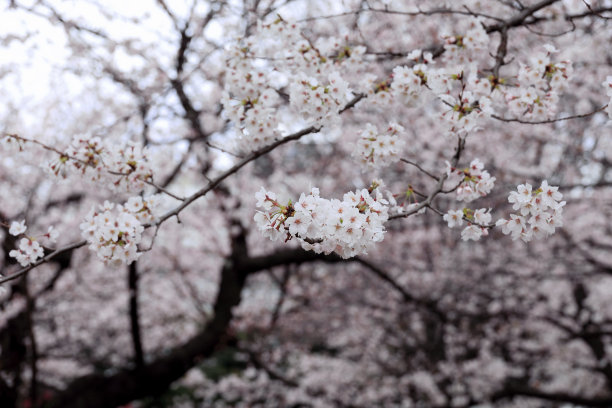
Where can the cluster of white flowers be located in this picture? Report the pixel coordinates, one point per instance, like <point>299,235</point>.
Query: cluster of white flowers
<point>121,166</point>
<point>478,224</point>
<point>475,181</point>
<point>339,53</point>
<point>412,85</point>
<point>248,101</point>
<point>317,101</point>
<point>442,80</point>
<point>533,103</point>
<point>486,87</point>
<point>379,95</point>
<point>460,49</point>
<point>417,85</point>
<point>114,232</point>
<point>29,250</point>
<point>243,80</point>
<point>286,44</point>
<point>475,37</point>
<point>317,90</point>
<point>282,31</point>
<point>128,166</point>
<point>294,52</point>
<point>348,227</point>
<point>466,111</point>
<point>408,84</point>
<point>540,83</point>
<point>543,72</point>
<point>608,86</point>
<point>28,253</point>
<point>539,212</point>
<point>376,150</point>
<point>144,209</point>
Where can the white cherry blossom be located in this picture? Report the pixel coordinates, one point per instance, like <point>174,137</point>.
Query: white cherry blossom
<point>348,227</point>
<point>543,206</point>
<point>28,253</point>
<point>17,228</point>
<point>454,218</point>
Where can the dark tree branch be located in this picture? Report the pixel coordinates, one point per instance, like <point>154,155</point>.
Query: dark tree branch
<point>33,349</point>
<point>109,391</point>
<point>427,304</point>
<point>513,389</point>
<point>521,18</point>
<point>59,254</point>
<point>135,329</point>
<point>272,373</point>
<point>282,283</point>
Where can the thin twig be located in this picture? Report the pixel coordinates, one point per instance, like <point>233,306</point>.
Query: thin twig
<point>256,154</point>
<point>420,168</point>
<point>439,186</point>
<point>540,122</point>
<point>47,258</point>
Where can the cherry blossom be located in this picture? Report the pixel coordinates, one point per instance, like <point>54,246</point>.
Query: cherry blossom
<point>17,228</point>
<point>136,141</point>
<point>52,234</point>
<point>348,227</point>
<point>454,218</point>
<point>28,253</point>
<point>476,182</point>
<point>376,150</point>
<point>114,232</point>
<point>543,207</point>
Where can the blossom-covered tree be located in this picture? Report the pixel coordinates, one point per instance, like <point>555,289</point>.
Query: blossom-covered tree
<point>288,203</point>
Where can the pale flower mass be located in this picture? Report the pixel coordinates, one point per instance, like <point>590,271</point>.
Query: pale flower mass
<point>305,203</point>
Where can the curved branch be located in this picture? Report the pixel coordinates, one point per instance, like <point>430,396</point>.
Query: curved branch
<point>540,122</point>
<point>256,154</point>
<point>43,260</point>
<point>439,187</point>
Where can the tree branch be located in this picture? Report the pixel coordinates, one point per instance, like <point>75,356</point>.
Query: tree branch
<point>112,390</point>
<point>135,330</point>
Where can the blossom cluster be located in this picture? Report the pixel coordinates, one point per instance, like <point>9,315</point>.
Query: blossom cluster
<point>461,48</point>
<point>294,52</point>
<point>121,166</point>
<point>539,212</point>
<point>541,81</point>
<point>466,112</point>
<point>375,150</point>
<point>478,222</point>
<point>248,101</point>
<point>28,253</point>
<point>114,232</point>
<point>280,53</point>
<point>320,101</point>
<point>408,84</point>
<point>416,85</point>
<point>349,227</point>
<point>29,250</point>
<point>475,182</point>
